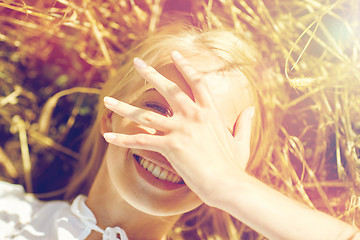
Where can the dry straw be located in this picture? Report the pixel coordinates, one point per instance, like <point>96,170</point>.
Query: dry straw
<point>58,51</point>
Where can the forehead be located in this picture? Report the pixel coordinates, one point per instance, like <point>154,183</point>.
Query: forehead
<point>229,89</point>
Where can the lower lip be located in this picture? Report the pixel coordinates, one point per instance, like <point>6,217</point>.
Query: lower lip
<point>162,184</point>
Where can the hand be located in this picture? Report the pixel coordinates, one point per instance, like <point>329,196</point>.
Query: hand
<point>195,139</point>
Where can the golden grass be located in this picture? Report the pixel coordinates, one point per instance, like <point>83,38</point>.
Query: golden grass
<point>49,47</point>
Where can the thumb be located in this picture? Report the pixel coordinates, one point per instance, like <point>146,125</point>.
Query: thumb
<point>242,133</point>
<point>242,130</point>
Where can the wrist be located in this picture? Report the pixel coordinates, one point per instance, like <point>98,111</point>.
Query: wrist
<point>221,192</point>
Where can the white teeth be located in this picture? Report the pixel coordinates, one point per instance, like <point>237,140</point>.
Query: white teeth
<point>175,179</point>
<point>151,167</point>
<point>146,164</point>
<point>163,175</point>
<point>169,177</point>
<point>156,172</point>
<point>159,172</point>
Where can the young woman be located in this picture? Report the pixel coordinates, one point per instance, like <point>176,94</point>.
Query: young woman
<point>182,121</point>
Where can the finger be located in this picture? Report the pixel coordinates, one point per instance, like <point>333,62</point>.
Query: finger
<point>171,92</point>
<point>194,79</point>
<point>242,132</point>
<point>138,115</point>
<point>138,141</point>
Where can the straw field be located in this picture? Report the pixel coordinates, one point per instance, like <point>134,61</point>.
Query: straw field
<point>54,54</point>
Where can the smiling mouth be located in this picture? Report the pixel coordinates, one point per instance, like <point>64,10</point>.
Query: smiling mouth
<point>158,171</point>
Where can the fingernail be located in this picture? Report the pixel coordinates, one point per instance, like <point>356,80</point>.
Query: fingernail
<point>251,112</point>
<point>175,54</point>
<point>140,63</point>
<point>109,137</point>
<point>110,101</point>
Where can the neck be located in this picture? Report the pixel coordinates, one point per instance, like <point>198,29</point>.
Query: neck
<point>111,210</point>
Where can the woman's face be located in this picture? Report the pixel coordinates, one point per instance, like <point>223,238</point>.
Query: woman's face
<point>145,179</point>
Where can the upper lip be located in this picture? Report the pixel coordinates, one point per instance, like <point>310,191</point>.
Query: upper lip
<point>155,158</point>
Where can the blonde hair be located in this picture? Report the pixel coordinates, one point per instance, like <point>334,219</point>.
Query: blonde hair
<point>238,53</point>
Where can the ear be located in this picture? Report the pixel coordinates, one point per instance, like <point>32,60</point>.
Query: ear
<point>106,123</point>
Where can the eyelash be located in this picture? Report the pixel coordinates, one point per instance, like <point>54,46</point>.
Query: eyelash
<point>158,108</point>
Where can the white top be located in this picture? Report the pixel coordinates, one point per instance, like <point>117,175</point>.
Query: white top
<point>22,216</point>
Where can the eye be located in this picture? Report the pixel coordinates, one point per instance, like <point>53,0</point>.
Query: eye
<point>160,108</point>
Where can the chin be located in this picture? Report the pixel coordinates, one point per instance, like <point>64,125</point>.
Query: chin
<point>164,210</point>
<point>144,190</point>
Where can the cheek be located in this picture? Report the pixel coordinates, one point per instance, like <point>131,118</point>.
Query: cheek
<point>115,155</point>
<point>126,126</point>
<point>115,158</point>
<point>120,125</point>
